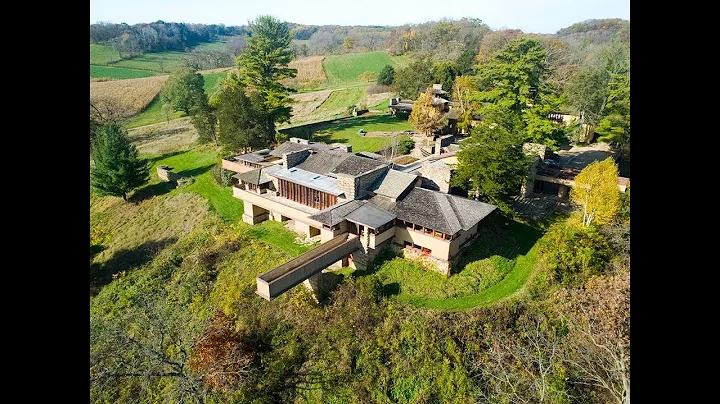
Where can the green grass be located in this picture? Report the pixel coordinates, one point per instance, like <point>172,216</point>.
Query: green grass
<point>343,70</point>
<point>154,114</point>
<point>276,234</point>
<point>118,72</point>
<point>339,100</point>
<point>345,131</point>
<point>383,106</point>
<point>495,266</point>
<point>161,62</point>
<point>198,163</point>
<point>150,115</point>
<point>211,80</point>
<point>102,54</point>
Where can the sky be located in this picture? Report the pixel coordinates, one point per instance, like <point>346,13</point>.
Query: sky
<point>536,16</point>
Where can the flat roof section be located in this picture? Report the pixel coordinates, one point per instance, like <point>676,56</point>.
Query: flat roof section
<point>310,180</point>
<point>370,216</point>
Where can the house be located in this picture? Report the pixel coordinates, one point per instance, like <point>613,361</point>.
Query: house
<point>355,206</point>
<point>557,175</point>
<point>441,100</point>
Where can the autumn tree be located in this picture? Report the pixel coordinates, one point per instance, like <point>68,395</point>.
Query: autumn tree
<point>461,93</point>
<point>220,355</point>
<point>183,90</point>
<point>596,191</point>
<point>117,168</point>
<point>263,65</point>
<point>349,43</point>
<point>425,116</point>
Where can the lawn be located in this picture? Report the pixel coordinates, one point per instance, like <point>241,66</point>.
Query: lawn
<point>159,62</point>
<point>118,72</point>
<point>343,70</point>
<point>198,163</point>
<point>495,266</point>
<point>211,80</point>
<point>276,234</point>
<point>346,131</point>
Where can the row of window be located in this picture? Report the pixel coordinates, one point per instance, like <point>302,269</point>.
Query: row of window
<point>428,231</point>
<point>424,250</point>
<point>306,196</point>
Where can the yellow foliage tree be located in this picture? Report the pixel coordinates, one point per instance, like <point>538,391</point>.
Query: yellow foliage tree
<point>596,191</point>
<point>425,117</point>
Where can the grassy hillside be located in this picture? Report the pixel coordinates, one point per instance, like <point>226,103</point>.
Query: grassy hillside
<point>102,54</point>
<point>343,70</point>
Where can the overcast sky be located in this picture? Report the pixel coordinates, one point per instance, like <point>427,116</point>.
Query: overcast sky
<point>538,16</point>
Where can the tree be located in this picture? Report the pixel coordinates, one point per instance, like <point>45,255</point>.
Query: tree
<point>596,191</point>
<point>263,65</point>
<point>599,326</point>
<point>425,116</point>
<point>348,43</point>
<point>614,127</point>
<point>242,118</point>
<point>462,89</point>
<point>413,79</point>
<point>118,169</point>
<point>183,90</point>
<point>386,76</point>
<point>465,62</point>
<point>205,122</point>
<point>491,163</point>
<point>444,72</point>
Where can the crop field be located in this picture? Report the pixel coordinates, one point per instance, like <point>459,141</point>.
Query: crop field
<point>305,105</point>
<point>165,137</point>
<point>118,73</point>
<point>126,97</point>
<point>310,73</point>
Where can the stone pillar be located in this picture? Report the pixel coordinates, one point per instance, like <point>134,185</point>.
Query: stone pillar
<point>253,213</point>
<point>322,284</point>
<point>302,228</point>
<point>563,191</point>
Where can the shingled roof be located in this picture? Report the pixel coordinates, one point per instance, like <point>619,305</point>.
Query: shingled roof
<point>336,162</point>
<point>393,183</point>
<point>259,175</point>
<point>323,162</point>
<point>439,211</point>
<point>336,214</point>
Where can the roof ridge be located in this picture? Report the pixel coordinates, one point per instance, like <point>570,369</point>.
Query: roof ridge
<point>438,195</point>
<point>458,216</point>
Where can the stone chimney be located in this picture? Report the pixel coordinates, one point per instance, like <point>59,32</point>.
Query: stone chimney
<point>292,159</point>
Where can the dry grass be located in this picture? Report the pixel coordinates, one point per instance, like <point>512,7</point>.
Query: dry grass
<point>374,99</point>
<point>166,137</point>
<point>124,98</point>
<point>303,109</point>
<point>130,233</point>
<point>310,72</point>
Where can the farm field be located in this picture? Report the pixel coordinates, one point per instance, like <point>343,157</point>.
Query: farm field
<point>126,97</point>
<point>119,73</point>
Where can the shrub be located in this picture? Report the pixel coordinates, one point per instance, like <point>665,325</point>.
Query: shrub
<point>222,176</point>
<point>405,145</point>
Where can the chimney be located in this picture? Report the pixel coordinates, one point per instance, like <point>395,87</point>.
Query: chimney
<point>292,159</point>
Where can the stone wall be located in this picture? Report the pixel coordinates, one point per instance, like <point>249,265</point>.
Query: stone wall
<point>165,173</point>
<point>436,176</point>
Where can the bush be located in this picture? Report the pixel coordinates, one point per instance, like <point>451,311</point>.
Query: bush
<point>386,76</point>
<point>222,176</point>
<point>405,145</point>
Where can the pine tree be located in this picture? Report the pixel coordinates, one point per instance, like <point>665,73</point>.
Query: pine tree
<point>118,169</point>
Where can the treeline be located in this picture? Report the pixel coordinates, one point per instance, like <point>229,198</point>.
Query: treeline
<point>311,40</point>
<point>132,40</point>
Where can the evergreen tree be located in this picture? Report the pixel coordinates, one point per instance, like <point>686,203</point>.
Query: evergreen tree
<point>491,163</point>
<point>263,65</point>
<point>386,76</point>
<point>241,116</point>
<point>118,169</point>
